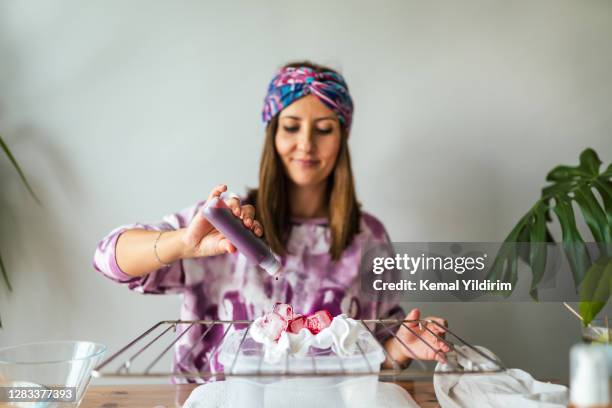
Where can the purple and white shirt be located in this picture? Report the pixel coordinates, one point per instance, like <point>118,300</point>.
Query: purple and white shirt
<point>227,287</point>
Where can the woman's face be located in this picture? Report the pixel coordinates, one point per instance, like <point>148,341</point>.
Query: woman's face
<point>308,140</point>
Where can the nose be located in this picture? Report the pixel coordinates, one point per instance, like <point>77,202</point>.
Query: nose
<point>305,140</point>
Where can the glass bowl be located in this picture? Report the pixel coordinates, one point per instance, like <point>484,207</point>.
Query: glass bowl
<point>46,365</point>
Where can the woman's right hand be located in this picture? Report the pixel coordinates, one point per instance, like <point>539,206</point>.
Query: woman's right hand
<point>200,238</point>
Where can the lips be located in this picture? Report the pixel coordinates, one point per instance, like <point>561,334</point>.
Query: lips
<point>306,162</point>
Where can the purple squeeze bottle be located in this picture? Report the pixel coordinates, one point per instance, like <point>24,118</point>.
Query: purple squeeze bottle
<point>247,243</point>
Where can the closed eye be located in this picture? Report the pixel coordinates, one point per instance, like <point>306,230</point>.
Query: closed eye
<point>291,129</point>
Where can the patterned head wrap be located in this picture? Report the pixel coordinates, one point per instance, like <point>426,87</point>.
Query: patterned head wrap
<point>290,84</point>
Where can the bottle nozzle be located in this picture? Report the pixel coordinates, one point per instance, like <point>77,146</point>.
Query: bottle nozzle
<point>271,265</point>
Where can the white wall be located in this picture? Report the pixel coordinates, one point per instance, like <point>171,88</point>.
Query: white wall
<point>125,111</point>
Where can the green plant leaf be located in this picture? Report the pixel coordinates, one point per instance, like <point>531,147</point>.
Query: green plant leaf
<point>505,250</point>
<point>593,214</point>
<point>505,264</point>
<point>5,275</point>
<point>10,156</point>
<point>511,275</point>
<point>565,173</point>
<point>523,250</point>
<point>605,191</point>
<point>595,290</point>
<point>6,280</point>
<point>562,187</point>
<point>589,161</point>
<point>588,168</point>
<point>565,179</point>
<point>573,244</point>
<point>23,178</point>
<point>537,247</point>
<point>567,184</point>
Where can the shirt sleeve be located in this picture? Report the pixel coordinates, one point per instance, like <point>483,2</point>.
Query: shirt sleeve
<point>387,303</point>
<point>166,279</point>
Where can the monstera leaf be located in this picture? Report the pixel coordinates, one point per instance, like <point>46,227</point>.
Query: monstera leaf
<point>11,158</point>
<point>595,290</point>
<point>568,185</point>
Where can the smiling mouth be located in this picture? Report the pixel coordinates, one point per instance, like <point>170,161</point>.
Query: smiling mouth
<point>305,162</point>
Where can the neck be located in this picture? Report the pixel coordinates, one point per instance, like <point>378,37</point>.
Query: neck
<point>308,202</point>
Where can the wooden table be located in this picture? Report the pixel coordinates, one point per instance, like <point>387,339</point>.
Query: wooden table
<point>170,396</point>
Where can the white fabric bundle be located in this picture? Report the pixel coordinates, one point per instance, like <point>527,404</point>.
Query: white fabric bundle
<point>341,336</point>
<point>213,395</point>
<point>508,389</point>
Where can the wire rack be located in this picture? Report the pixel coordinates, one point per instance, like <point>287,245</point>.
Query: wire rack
<point>150,347</point>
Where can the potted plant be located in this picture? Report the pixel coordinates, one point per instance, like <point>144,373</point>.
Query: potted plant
<point>590,189</point>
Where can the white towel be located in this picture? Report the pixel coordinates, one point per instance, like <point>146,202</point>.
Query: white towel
<point>209,395</point>
<point>213,395</point>
<point>508,389</point>
<point>393,396</point>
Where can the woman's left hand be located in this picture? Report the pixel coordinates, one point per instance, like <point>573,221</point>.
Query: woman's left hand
<point>435,349</point>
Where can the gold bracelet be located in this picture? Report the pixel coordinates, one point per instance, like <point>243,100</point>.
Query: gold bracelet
<point>155,249</point>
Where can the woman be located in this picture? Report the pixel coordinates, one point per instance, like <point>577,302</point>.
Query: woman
<point>308,213</point>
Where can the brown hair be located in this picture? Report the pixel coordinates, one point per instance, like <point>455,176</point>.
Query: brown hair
<point>271,201</point>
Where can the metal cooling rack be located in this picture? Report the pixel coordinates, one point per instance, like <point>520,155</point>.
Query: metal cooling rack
<point>124,360</point>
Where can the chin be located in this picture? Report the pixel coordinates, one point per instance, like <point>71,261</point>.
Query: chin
<point>306,181</point>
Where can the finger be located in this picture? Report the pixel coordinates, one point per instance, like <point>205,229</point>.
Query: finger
<point>432,341</point>
<point>436,324</point>
<point>234,204</point>
<point>438,353</point>
<point>444,347</point>
<point>441,321</point>
<point>212,245</point>
<point>408,330</point>
<point>413,315</point>
<point>226,246</point>
<point>257,228</point>
<point>217,191</point>
<point>440,358</point>
<point>197,228</point>
<point>441,345</point>
<point>248,215</point>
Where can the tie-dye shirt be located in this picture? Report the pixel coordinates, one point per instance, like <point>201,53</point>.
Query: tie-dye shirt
<point>227,287</point>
